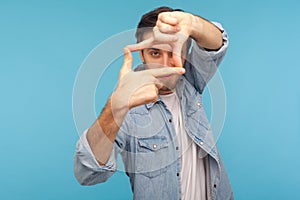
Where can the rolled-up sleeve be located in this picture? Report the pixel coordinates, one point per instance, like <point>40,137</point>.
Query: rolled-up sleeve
<point>202,64</point>
<point>86,169</point>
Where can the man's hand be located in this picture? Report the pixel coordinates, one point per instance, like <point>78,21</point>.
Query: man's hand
<point>134,88</point>
<point>137,88</point>
<point>173,28</point>
<point>179,24</point>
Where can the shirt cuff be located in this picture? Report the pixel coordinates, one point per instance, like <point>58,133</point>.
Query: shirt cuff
<point>87,158</point>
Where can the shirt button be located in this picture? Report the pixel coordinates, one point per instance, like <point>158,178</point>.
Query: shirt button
<point>215,185</point>
<point>170,120</point>
<point>154,146</point>
<point>177,174</point>
<point>177,148</point>
<point>201,143</point>
<point>199,104</point>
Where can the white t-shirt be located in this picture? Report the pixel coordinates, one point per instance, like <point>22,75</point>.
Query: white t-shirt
<point>193,183</point>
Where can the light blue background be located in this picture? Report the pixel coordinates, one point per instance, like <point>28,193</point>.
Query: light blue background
<point>43,44</point>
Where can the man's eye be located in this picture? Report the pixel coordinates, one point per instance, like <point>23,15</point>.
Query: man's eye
<point>155,53</point>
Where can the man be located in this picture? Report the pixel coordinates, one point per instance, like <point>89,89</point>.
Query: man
<point>155,118</point>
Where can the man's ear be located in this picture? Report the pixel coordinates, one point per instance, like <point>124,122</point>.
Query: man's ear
<point>142,56</point>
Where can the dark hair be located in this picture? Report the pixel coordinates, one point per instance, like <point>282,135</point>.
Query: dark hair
<point>149,19</point>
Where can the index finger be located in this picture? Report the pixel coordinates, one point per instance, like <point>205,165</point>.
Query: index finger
<point>141,45</point>
<point>165,71</point>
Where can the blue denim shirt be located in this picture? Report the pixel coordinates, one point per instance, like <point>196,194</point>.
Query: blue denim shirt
<point>148,144</point>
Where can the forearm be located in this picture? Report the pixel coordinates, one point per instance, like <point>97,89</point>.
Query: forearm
<point>134,89</point>
<point>102,134</point>
<point>206,34</point>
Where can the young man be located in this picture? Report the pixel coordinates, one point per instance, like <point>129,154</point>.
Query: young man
<point>155,118</point>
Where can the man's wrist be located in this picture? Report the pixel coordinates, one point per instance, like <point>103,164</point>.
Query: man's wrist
<point>206,34</point>
<point>119,105</point>
<point>196,28</point>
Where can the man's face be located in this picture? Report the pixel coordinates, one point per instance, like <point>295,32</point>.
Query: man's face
<point>157,56</point>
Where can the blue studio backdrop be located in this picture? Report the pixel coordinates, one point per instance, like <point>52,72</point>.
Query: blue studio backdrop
<point>44,43</point>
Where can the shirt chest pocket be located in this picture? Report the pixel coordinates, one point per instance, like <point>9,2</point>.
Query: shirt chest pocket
<point>152,144</point>
<point>153,155</point>
<point>195,119</point>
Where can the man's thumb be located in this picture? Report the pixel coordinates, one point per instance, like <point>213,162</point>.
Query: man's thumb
<point>177,55</point>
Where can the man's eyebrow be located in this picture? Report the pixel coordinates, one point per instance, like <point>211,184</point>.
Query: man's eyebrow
<point>153,49</point>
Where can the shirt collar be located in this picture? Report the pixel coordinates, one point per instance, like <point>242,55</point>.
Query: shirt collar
<point>150,105</point>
